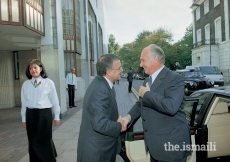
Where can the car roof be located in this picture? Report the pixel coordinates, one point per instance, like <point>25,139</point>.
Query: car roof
<point>218,90</point>
<point>184,70</point>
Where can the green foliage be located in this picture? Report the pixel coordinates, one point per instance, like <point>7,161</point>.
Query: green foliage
<point>130,52</point>
<point>178,52</point>
<point>184,47</point>
<point>113,47</point>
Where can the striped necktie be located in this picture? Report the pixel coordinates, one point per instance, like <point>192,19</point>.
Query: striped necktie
<point>114,93</point>
<point>150,81</point>
<point>36,84</point>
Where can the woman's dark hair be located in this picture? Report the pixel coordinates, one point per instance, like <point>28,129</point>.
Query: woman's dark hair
<point>37,62</point>
<point>105,62</point>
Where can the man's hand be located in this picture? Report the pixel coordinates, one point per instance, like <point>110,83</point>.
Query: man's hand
<point>24,124</point>
<point>67,89</point>
<point>127,119</point>
<point>143,89</point>
<point>123,127</point>
<point>56,122</point>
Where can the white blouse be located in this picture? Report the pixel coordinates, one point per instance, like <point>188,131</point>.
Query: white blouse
<point>43,96</point>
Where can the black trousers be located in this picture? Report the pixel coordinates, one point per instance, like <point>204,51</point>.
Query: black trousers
<point>130,86</point>
<point>154,160</point>
<point>39,132</point>
<point>71,93</point>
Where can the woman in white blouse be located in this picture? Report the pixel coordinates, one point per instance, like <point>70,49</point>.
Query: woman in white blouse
<point>39,98</point>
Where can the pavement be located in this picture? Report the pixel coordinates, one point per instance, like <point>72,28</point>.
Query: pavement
<point>13,137</point>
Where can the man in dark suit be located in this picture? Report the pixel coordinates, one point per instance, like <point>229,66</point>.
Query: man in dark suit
<point>130,79</point>
<point>99,137</point>
<point>161,108</point>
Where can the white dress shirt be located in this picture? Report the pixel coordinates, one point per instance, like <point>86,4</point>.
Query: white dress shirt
<point>154,75</point>
<point>71,79</point>
<point>43,96</point>
<point>109,82</point>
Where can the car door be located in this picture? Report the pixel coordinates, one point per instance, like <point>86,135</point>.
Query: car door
<point>216,126</point>
<point>134,145</point>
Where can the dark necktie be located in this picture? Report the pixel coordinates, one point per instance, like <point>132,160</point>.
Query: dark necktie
<point>114,93</point>
<point>150,81</point>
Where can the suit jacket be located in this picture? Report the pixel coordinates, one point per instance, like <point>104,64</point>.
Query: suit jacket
<point>163,117</point>
<point>130,77</point>
<point>99,137</point>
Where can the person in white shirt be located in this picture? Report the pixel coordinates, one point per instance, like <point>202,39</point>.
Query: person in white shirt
<point>71,86</point>
<point>39,98</point>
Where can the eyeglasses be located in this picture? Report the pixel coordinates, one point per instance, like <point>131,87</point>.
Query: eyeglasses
<point>118,69</point>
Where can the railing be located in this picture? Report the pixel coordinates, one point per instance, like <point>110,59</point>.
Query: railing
<point>206,42</point>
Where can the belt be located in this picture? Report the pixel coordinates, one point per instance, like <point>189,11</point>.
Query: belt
<point>37,108</point>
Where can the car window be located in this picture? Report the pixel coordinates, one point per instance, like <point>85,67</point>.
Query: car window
<point>202,97</point>
<point>188,111</point>
<point>210,70</point>
<point>189,74</point>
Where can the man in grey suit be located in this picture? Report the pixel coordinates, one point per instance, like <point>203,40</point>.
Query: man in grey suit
<point>99,137</point>
<point>161,108</point>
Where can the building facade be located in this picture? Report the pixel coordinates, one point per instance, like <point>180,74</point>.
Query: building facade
<point>211,34</point>
<point>61,33</point>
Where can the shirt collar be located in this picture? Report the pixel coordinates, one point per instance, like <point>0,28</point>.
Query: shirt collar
<point>109,82</point>
<point>154,75</point>
<point>38,79</point>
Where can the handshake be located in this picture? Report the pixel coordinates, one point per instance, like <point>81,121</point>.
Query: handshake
<point>124,122</point>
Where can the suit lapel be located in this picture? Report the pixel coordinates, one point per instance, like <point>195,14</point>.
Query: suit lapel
<point>110,90</point>
<point>159,79</point>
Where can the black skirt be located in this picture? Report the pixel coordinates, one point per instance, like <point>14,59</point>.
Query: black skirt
<point>39,132</point>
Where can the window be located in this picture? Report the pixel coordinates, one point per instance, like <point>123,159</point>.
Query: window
<point>218,31</point>
<point>198,34</point>
<point>216,2</point>
<point>69,62</point>
<point>34,15</point>
<point>78,26</point>
<point>10,12</point>
<point>71,26</point>
<point>91,46</point>
<point>100,43</point>
<point>198,13</point>
<point>207,34</point>
<point>16,65</point>
<point>206,6</point>
<point>198,60</point>
<point>54,24</point>
<point>68,26</point>
<point>202,97</point>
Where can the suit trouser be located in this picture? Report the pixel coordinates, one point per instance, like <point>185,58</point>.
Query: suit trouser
<point>154,160</point>
<point>71,93</point>
<point>130,86</point>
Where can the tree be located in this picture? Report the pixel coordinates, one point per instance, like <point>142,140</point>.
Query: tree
<point>113,47</point>
<point>184,47</point>
<point>130,52</point>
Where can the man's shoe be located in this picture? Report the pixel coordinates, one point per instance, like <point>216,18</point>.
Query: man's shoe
<point>70,106</point>
<point>74,106</point>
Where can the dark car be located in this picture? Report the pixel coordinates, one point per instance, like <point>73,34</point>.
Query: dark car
<point>208,115</point>
<point>194,80</point>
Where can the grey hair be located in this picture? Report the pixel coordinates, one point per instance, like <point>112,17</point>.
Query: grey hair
<point>105,62</point>
<point>157,51</point>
